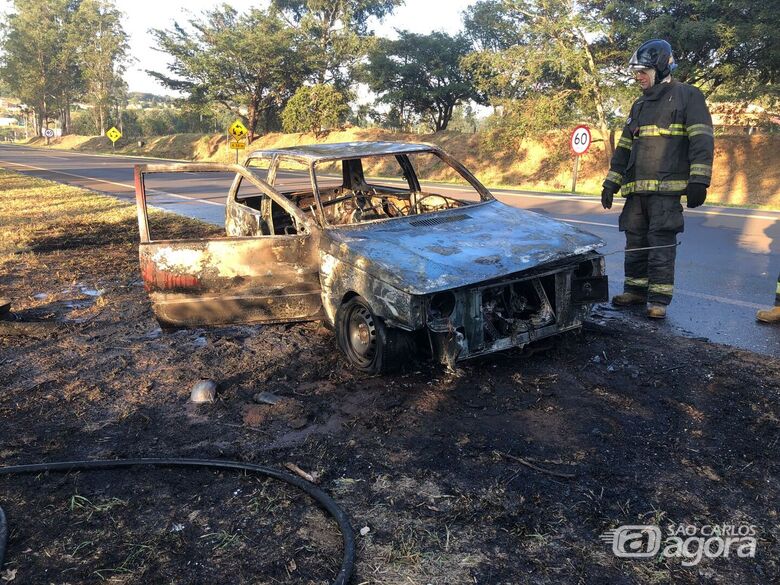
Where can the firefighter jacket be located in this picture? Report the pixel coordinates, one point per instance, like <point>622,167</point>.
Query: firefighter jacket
<point>667,142</point>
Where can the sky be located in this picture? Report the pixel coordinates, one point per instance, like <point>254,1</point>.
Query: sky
<point>421,17</point>
<point>141,15</point>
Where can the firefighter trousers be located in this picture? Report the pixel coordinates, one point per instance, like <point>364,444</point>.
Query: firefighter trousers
<point>651,220</point>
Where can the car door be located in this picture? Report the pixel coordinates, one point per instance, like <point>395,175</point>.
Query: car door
<point>259,278</point>
<point>248,208</point>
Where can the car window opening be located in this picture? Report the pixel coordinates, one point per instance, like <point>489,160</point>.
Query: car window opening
<point>391,189</point>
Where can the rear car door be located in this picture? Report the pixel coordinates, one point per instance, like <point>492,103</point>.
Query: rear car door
<point>259,278</point>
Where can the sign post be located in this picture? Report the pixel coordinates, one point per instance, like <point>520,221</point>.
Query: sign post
<point>579,142</point>
<point>48,133</point>
<point>238,131</point>
<point>113,135</point>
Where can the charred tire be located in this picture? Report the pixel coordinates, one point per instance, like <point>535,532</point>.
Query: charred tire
<point>368,344</point>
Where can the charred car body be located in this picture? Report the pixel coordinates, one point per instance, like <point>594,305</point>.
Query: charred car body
<point>391,265</point>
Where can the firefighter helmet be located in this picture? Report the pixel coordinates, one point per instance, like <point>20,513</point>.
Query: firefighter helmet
<point>655,54</point>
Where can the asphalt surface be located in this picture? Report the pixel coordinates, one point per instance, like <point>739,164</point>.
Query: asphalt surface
<point>727,263</point>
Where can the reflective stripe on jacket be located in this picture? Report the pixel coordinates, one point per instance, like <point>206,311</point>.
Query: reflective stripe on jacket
<point>666,143</point>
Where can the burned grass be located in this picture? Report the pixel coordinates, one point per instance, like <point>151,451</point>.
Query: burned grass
<point>505,472</point>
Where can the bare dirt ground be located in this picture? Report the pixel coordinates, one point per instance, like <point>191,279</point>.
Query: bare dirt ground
<point>651,429</point>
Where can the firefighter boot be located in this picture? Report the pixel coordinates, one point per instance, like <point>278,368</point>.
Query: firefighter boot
<point>769,316</point>
<point>628,298</point>
<point>656,311</point>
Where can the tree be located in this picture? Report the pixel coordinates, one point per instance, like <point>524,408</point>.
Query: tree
<point>552,72</point>
<point>101,51</point>
<point>421,74</point>
<point>314,108</point>
<point>55,51</point>
<point>550,63</point>
<point>251,62</point>
<point>33,64</point>
<point>464,120</point>
<point>337,32</point>
<point>491,27</point>
<point>730,45</point>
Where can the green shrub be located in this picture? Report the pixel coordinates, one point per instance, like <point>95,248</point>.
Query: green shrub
<point>315,108</point>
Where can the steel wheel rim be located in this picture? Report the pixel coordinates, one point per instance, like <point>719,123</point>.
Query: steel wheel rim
<point>361,335</point>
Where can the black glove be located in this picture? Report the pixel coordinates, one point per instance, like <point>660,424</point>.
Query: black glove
<point>607,195</point>
<point>696,194</point>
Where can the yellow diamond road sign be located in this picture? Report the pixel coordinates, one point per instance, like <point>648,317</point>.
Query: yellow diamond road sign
<point>113,134</point>
<point>238,130</point>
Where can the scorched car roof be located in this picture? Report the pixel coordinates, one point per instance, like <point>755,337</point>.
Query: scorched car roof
<point>342,150</point>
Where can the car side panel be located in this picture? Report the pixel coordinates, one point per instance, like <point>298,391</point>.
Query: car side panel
<point>232,280</point>
<point>340,279</point>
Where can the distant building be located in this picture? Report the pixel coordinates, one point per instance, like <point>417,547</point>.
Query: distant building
<point>748,118</point>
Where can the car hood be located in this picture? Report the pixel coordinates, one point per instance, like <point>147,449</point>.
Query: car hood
<point>457,247</point>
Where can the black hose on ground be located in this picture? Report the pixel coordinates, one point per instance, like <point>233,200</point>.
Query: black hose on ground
<point>312,490</point>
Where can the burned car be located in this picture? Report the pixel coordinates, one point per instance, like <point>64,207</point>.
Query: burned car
<point>363,237</point>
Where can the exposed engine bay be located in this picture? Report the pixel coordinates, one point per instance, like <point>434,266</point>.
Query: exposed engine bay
<point>511,312</point>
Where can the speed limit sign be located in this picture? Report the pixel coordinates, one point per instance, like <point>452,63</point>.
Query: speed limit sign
<point>580,140</point>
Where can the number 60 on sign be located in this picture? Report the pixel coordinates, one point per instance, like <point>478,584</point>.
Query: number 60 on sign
<point>580,140</point>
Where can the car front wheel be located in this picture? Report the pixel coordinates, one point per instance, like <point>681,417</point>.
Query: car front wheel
<point>367,343</point>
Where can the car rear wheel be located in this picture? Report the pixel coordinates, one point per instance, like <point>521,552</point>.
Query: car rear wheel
<point>367,343</point>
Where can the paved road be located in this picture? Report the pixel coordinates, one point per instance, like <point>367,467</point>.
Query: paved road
<point>728,259</point>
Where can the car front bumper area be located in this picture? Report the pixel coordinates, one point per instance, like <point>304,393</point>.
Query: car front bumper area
<point>514,311</point>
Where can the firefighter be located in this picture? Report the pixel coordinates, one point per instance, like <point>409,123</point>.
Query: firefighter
<point>771,315</point>
<point>664,152</point>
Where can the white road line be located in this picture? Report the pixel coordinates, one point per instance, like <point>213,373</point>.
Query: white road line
<point>131,187</point>
<point>582,198</point>
<point>103,155</point>
<point>718,299</point>
<point>209,202</point>
<point>594,200</point>
<point>609,225</point>
<point>686,293</point>
<point>562,197</point>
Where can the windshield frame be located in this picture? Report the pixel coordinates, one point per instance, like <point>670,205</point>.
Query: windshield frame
<point>462,171</point>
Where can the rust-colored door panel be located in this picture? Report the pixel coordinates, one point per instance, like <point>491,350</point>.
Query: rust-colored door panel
<point>257,279</point>
<point>266,279</point>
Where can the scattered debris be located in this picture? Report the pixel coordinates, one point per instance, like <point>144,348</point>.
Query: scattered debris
<point>530,465</point>
<point>8,575</point>
<point>203,391</point>
<point>90,292</point>
<point>313,477</point>
<point>365,530</point>
<point>266,398</point>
